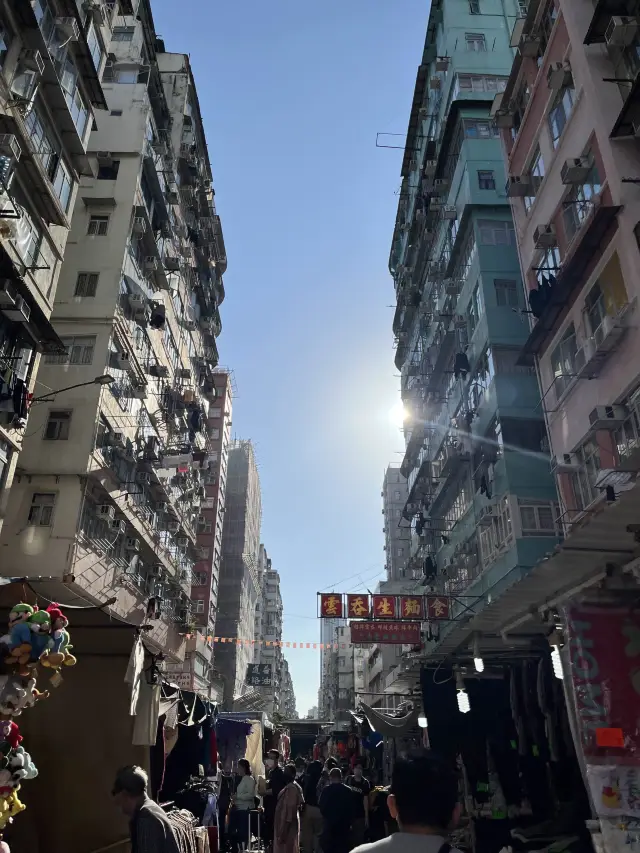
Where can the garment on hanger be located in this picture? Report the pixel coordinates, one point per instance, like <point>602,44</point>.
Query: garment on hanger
<point>134,671</point>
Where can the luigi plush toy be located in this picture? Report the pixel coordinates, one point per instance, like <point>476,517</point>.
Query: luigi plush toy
<point>19,639</point>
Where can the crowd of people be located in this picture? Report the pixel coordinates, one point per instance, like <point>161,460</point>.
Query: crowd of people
<point>313,808</point>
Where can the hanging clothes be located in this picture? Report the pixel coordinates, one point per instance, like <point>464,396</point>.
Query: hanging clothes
<point>134,672</point>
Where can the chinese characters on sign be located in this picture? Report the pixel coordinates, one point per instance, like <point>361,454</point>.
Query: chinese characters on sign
<point>384,606</point>
<point>331,605</point>
<point>438,607</point>
<point>358,606</point>
<point>259,675</point>
<point>381,606</point>
<point>402,633</point>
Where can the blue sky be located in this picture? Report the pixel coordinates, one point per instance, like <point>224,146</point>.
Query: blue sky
<point>292,95</point>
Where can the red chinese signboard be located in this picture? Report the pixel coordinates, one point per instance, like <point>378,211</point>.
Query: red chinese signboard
<point>604,650</point>
<point>411,607</point>
<point>358,606</point>
<point>438,607</point>
<point>384,606</point>
<point>401,633</point>
<point>331,606</point>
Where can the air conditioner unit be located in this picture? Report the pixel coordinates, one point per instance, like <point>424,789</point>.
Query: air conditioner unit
<point>104,158</point>
<point>173,526</point>
<point>19,312</point>
<point>442,63</point>
<point>430,167</point>
<point>565,464</point>
<point>118,526</point>
<point>559,76</point>
<point>171,264</point>
<point>139,225</point>
<point>520,186</point>
<point>449,211</point>
<point>106,511</point>
<point>608,417</point>
<point>435,83</point>
<point>160,147</point>
<point>143,477</point>
<point>7,293</point>
<point>530,45</point>
<point>150,263</point>
<point>184,373</point>
<point>172,196</point>
<point>576,170</point>
<point>182,541</point>
<point>155,570</point>
<point>68,27</point>
<point>122,360</point>
<point>621,31</point>
<point>117,439</point>
<point>159,370</point>
<point>138,302</point>
<point>95,9</point>
<point>160,506</point>
<point>31,60</point>
<point>440,185</point>
<point>132,544</point>
<point>608,333</point>
<point>9,146</point>
<point>544,237</point>
<point>504,118</point>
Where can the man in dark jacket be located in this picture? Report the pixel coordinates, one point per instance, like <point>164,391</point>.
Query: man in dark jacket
<point>149,826</point>
<point>336,808</point>
<point>276,781</point>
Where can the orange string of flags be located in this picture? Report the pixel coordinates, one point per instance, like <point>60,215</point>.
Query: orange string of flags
<point>281,644</point>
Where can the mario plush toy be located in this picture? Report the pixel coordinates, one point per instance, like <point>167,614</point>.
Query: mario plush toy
<point>60,653</point>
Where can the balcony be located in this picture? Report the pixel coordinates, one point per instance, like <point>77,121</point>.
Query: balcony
<point>570,279</point>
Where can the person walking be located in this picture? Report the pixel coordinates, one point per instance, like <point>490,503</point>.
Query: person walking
<point>361,789</point>
<point>242,802</point>
<point>336,808</point>
<point>274,783</point>
<point>329,764</point>
<point>149,827</point>
<point>286,837</point>
<point>423,798</point>
<point>311,817</point>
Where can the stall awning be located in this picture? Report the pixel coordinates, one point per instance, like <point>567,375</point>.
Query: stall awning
<point>384,724</point>
<point>600,539</point>
<point>571,278</point>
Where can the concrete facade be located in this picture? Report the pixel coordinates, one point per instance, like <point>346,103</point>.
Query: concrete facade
<point>268,629</point>
<point>397,530</point>
<point>576,225</point>
<point>328,635</point>
<point>288,700</point>
<point>238,591</point>
<point>344,678</point>
<point>115,502</point>
<point>481,502</point>
<point>44,137</point>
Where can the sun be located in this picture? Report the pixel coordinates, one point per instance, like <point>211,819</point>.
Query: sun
<point>398,414</point>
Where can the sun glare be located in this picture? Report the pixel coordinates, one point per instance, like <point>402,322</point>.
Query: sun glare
<point>398,414</point>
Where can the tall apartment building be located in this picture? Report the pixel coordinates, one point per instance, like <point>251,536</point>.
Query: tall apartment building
<point>397,530</point>
<point>206,577</point>
<point>268,630</point>
<point>238,591</point>
<point>569,122</point>
<point>288,702</point>
<point>328,637</point>
<point>344,678</point>
<point>482,504</point>
<point>52,56</point>
<point>113,477</point>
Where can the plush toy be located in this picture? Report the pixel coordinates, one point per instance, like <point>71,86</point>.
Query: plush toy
<point>61,651</point>
<point>20,634</point>
<point>9,807</point>
<point>34,695</point>
<point>40,627</point>
<point>21,767</point>
<point>10,737</point>
<point>13,698</point>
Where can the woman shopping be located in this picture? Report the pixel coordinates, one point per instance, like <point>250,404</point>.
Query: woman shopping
<point>287,820</point>
<point>242,802</point>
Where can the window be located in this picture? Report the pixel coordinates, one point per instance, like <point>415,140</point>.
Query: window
<point>200,578</point>
<point>480,83</point>
<point>215,413</point>
<point>62,185</point>
<point>496,232</point>
<point>31,239</point>
<point>44,143</point>
<point>486,179</point>
<point>474,7</point>
<point>79,350</point>
<point>116,113</point>
<point>400,552</point>
<point>506,293</point>
<point>57,428</point>
<point>476,308</point>
<point>536,172</point>
<point>69,81</point>
<point>584,479</point>
<point>109,173</point>
<point>538,519</point>
<point>86,284</point>
<point>396,495</point>
<point>475,42</point>
<point>6,37</point>
<point>125,75</point>
<point>98,226</point>
<point>547,22</point>
<point>563,359</point>
<point>478,129</point>
<point>560,112</point>
<point>199,603</point>
<point>41,509</point>
<point>95,46</point>
<point>123,33</point>
<point>204,553</point>
<point>548,262</point>
<point>578,203</point>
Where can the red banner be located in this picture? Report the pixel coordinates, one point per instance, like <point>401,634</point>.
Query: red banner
<point>331,606</point>
<point>404,633</point>
<point>384,606</point>
<point>358,606</point>
<point>411,607</point>
<point>604,650</point>
<point>438,607</point>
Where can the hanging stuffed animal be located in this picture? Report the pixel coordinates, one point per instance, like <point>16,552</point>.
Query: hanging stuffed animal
<point>60,654</point>
<point>34,695</point>
<point>10,737</point>
<point>13,697</point>
<point>40,627</point>
<point>19,638</point>
<point>9,807</point>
